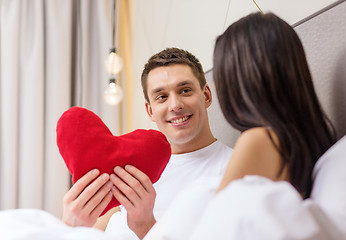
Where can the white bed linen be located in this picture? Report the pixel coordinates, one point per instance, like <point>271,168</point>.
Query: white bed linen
<point>250,208</point>
<point>257,208</point>
<point>181,217</point>
<point>34,224</point>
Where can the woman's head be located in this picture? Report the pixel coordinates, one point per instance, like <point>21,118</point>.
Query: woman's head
<point>259,68</point>
<point>262,79</point>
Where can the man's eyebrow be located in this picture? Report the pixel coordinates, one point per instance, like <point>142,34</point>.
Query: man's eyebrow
<point>159,89</point>
<point>186,82</point>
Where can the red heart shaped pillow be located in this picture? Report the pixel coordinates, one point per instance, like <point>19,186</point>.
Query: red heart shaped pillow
<point>85,143</point>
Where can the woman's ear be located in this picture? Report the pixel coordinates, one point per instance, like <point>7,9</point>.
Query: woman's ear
<point>207,95</point>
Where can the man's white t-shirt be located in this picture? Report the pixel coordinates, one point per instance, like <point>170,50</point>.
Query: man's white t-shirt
<point>181,170</point>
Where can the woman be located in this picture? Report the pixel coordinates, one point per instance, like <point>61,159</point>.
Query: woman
<point>265,90</point>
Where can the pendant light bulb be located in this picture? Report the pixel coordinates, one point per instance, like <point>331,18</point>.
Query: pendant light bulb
<point>113,93</point>
<point>113,63</point>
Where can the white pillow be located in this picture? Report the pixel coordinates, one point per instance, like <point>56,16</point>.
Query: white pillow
<point>329,189</point>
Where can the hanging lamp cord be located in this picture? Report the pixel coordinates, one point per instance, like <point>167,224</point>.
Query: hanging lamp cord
<point>113,23</point>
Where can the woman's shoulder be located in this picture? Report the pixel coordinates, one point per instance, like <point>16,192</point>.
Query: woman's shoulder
<point>258,150</point>
<point>259,137</point>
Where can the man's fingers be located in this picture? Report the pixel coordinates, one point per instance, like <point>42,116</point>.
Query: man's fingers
<point>121,198</point>
<point>134,183</point>
<point>102,205</point>
<point>124,187</point>
<point>98,197</point>
<point>142,178</point>
<point>90,190</point>
<point>79,186</point>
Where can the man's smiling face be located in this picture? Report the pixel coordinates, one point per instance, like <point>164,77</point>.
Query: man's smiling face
<point>178,105</point>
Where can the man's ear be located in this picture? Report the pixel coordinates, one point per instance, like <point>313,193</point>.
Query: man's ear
<point>149,111</point>
<point>208,99</point>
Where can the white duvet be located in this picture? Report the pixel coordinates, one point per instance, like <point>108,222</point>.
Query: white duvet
<point>34,224</point>
<point>250,208</point>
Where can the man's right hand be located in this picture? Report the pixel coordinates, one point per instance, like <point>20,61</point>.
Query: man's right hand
<point>83,204</point>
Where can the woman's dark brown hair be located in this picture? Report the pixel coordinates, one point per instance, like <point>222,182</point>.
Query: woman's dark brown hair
<point>262,79</point>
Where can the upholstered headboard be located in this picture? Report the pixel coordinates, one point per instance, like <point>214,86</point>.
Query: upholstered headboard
<point>324,38</point>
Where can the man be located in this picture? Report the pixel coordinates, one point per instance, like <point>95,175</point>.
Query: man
<point>176,99</point>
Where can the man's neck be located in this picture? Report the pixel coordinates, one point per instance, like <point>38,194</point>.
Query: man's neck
<point>190,147</point>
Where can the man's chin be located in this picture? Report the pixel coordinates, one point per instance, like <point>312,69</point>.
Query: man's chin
<point>181,141</point>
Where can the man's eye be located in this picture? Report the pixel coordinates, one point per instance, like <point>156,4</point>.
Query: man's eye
<point>161,98</point>
<point>186,90</point>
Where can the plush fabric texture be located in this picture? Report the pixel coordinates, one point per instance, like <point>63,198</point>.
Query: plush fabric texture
<point>85,143</point>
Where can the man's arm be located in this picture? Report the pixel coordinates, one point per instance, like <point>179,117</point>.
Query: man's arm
<point>134,190</point>
<point>83,203</point>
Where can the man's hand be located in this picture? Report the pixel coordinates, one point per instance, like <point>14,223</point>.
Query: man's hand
<point>82,204</point>
<point>134,190</point>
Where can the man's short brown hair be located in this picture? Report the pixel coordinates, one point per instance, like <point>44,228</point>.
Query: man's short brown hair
<point>171,56</point>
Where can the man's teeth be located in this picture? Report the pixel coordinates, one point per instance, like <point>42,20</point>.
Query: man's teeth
<point>179,120</point>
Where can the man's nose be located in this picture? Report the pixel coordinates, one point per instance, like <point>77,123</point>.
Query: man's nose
<point>175,103</point>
